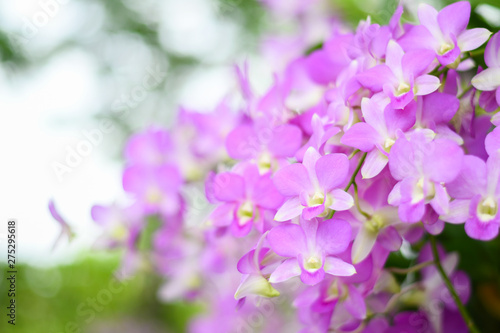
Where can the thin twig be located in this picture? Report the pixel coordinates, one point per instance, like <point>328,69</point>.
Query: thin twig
<point>463,311</point>
<point>412,269</point>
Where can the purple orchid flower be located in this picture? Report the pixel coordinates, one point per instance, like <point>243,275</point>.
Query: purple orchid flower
<point>340,299</point>
<point>445,33</point>
<point>116,222</point>
<point>477,193</point>
<point>435,111</point>
<point>151,147</point>
<point>156,189</point>
<point>310,247</point>
<point>311,186</point>
<point>403,76</point>
<point>489,79</point>
<point>381,225</point>
<point>247,199</point>
<point>377,133</point>
<point>422,166</point>
<point>266,145</point>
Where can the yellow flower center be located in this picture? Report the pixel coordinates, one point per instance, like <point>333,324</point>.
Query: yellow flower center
<point>375,223</point>
<point>487,209</point>
<point>403,88</point>
<point>313,263</point>
<point>153,196</point>
<point>245,212</point>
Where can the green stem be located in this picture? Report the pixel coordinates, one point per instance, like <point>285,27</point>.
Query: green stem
<point>463,311</point>
<point>466,90</point>
<point>356,201</point>
<point>354,153</point>
<point>412,269</point>
<point>353,177</point>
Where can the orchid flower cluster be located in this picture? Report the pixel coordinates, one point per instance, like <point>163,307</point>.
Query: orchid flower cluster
<point>364,146</point>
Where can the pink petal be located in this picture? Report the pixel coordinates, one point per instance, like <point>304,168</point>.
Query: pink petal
<point>394,198</point>
<point>450,56</point>
<point>287,240</point>
<point>458,212</point>
<point>442,163</point>
<point>394,57</point>
<point>373,114</point>
<point>401,162</point>
<point>229,187</point>
<point>134,179</point>
<point>332,171</point>
<point>290,209</point>
<point>399,101</point>
<point>341,200</point>
<point>355,303</point>
<point>411,213</point>
<point>374,164</point>
<point>265,194</point>
<point>222,215</point>
<point>241,230</point>
<point>292,180</point>
<point>426,84</point>
<point>362,245</point>
<point>492,142</point>
<point>360,136</point>
<point>397,119</point>
<point>453,19</point>
<point>471,180</point>
<point>312,278</point>
<point>309,162</point>
<point>333,236</point>
<point>478,229</point>
<point>416,62</point>
<point>169,178</point>
<point>472,39</point>
<point>288,269</point>
<point>390,239</point>
<point>487,80</point>
<point>441,201</point>
<point>375,78</point>
<point>493,178</point>
<point>311,212</point>
<point>492,52</point>
<point>338,267</point>
<point>418,37</point>
<point>428,17</point>
<point>242,143</point>
<point>286,140</point>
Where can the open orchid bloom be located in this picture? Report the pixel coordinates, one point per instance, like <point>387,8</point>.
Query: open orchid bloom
<point>310,248</point>
<point>477,193</point>
<point>422,166</point>
<point>377,133</point>
<point>311,189</point>
<point>246,199</point>
<point>445,32</point>
<point>403,76</point>
<point>357,152</point>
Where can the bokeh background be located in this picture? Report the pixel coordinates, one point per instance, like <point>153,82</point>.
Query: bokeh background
<point>67,66</point>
